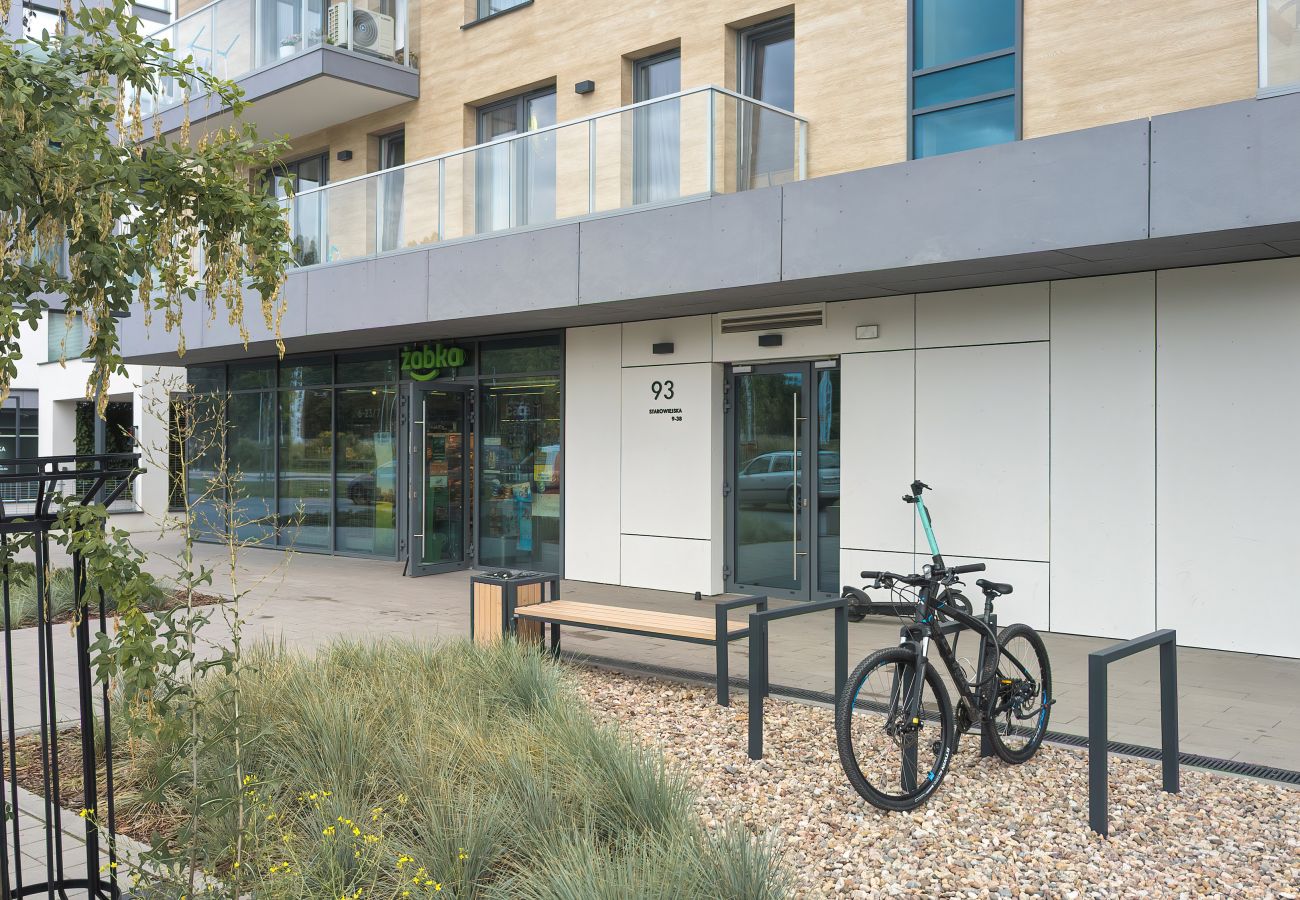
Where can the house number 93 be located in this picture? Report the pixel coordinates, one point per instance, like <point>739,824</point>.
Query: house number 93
<point>663,390</point>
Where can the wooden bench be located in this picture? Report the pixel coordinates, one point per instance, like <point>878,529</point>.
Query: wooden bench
<point>717,630</point>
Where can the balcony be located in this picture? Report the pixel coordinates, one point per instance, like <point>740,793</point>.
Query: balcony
<point>680,147</point>
<point>303,65</point>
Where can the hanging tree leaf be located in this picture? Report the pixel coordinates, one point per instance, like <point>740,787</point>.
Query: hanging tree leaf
<point>133,214</point>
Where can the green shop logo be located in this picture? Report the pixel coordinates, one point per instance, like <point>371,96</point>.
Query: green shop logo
<point>424,363</point>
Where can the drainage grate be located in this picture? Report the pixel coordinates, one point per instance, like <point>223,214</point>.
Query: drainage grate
<point>1212,763</point>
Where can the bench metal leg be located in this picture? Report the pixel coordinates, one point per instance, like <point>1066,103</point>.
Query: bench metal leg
<point>555,639</point>
<point>724,673</point>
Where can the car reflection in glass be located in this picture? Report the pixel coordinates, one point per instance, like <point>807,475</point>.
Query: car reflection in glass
<point>770,479</point>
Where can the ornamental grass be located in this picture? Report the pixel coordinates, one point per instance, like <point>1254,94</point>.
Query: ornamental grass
<point>391,769</point>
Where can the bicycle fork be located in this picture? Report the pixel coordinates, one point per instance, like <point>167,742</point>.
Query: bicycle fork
<point>909,692</point>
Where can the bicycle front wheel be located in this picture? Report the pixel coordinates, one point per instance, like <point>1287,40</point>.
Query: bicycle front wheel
<point>893,759</point>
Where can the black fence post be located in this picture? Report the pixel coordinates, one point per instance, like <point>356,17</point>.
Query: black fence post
<point>1098,738</point>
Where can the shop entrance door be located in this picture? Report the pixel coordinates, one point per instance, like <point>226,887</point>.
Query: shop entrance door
<point>441,494</point>
<point>783,485</point>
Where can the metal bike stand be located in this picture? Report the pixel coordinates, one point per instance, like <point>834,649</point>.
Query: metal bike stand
<point>1098,738</point>
<point>758,683</point>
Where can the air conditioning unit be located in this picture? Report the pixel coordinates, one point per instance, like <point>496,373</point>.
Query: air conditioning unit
<point>368,31</point>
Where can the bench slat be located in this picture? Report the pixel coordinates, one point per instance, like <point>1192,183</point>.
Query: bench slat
<point>568,612</point>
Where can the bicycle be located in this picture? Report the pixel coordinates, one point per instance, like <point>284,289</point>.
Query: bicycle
<point>885,711</point>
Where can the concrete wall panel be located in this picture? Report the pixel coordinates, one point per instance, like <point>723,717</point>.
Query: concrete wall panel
<point>1226,381</point>
<point>982,443</point>
<point>669,564</point>
<point>592,454</point>
<point>691,337</point>
<point>1103,455</point>
<point>877,453</point>
<point>992,315</point>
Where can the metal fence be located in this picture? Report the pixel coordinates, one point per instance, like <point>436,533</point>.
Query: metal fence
<point>45,849</point>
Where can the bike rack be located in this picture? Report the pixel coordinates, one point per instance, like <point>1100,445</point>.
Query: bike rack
<point>986,739</point>
<point>1098,738</point>
<point>758,683</point>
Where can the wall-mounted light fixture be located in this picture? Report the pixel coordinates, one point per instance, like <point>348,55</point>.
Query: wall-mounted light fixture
<point>662,349</point>
<point>344,155</point>
<point>769,340</point>
<point>584,87</point>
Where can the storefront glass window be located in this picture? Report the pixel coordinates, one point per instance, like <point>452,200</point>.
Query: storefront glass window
<point>365,500</point>
<point>306,445</point>
<point>520,355</point>
<point>250,441</point>
<point>369,367</point>
<point>520,472</point>
<point>206,496</point>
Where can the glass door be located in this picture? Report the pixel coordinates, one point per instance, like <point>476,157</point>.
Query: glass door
<point>440,488</point>
<point>783,489</point>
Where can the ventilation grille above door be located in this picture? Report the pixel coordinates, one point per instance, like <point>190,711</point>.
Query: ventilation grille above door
<point>772,321</point>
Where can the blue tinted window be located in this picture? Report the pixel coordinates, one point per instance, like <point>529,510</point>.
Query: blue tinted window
<point>964,127</point>
<point>946,31</point>
<point>963,82</point>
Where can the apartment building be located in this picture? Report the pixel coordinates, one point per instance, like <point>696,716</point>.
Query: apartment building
<point>682,295</point>
<point>48,412</point>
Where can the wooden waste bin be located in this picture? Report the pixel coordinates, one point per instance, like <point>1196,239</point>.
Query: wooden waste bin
<point>493,597</point>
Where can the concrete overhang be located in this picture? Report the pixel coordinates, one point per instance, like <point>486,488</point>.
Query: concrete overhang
<point>1199,187</point>
<point>317,89</point>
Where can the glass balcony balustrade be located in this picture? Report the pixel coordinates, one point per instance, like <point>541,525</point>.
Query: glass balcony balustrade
<point>233,38</point>
<point>686,145</point>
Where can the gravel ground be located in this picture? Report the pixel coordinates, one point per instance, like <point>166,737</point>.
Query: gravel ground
<point>991,830</point>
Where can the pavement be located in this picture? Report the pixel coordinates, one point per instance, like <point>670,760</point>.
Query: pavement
<point>1234,706</point>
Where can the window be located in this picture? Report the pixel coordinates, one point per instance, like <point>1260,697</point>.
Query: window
<point>1279,44</point>
<point>38,18</point>
<point>515,180</point>
<point>307,225</point>
<point>287,28</point>
<point>392,153</point>
<point>492,7</point>
<point>965,74</point>
<point>768,140</point>
<point>657,144</point>
<point>19,418</point>
<point>66,336</point>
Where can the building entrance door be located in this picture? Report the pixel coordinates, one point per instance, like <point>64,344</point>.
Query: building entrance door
<point>441,486</point>
<point>783,479</point>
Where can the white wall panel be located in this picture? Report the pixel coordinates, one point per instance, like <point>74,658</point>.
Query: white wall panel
<point>692,339</point>
<point>1028,603</point>
<point>672,469</point>
<point>1227,382</point>
<point>592,453</point>
<point>670,564</point>
<point>876,450</point>
<point>1103,455</point>
<point>892,316</point>
<point>991,315</point>
<point>982,443</point>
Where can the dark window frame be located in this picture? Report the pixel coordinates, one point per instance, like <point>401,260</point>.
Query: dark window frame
<point>520,213</point>
<point>1016,50</point>
<point>746,38</point>
<point>481,16</point>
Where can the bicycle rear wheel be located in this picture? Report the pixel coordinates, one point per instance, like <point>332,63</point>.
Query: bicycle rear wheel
<point>1022,702</point>
<point>893,760</point>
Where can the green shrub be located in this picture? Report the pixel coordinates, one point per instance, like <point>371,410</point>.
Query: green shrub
<point>22,595</point>
<point>447,770</point>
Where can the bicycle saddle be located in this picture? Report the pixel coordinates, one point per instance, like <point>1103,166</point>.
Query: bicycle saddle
<point>993,587</point>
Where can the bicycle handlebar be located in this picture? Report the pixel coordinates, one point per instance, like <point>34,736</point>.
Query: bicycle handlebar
<point>962,570</point>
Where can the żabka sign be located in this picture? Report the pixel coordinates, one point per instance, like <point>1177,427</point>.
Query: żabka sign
<point>424,363</point>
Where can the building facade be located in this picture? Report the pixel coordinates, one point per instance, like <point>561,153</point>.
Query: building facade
<point>48,411</point>
<point>683,295</point>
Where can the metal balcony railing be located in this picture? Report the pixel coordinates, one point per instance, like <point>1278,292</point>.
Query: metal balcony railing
<point>690,144</point>
<point>231,38</point>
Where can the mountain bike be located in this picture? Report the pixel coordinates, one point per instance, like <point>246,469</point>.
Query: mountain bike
<point>894,722</point>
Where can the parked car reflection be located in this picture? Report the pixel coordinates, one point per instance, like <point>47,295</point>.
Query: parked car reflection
<point>771,479</point>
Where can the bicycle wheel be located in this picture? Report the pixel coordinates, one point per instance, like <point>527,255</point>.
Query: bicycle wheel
<point>894,763</point>
<point>1022,703</point>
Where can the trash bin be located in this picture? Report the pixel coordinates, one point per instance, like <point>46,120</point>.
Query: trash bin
<point>493,597</point>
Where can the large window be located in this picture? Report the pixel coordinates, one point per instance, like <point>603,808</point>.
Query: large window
<point>1279,44</point>
<point>515,180</point>
<point>965,74</point>
<point>768,139</point>
<point>657,153</point>
<point>306,447</point>
<point>19,419</point>
<point>39,18</point>
<point>365,457</point>
<point>307,225</point>
<point>66,336</point>
<point>492,7</point>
